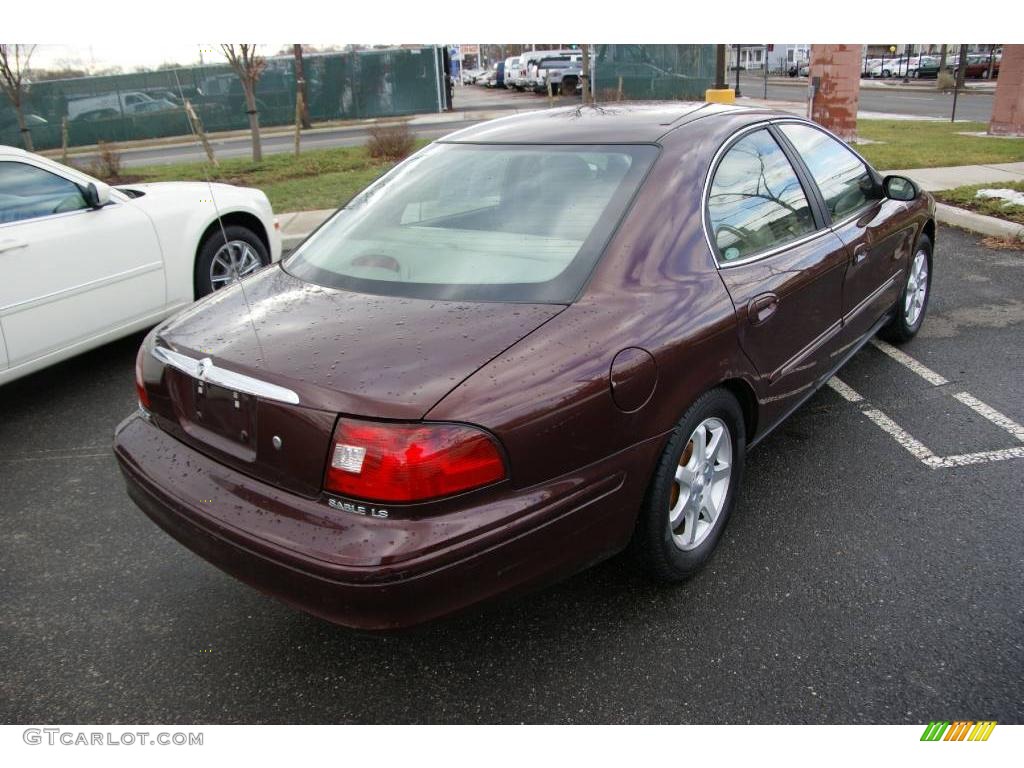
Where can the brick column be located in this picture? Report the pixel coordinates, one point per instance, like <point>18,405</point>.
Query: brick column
<point>835,104</point>
<point>1008,105</point>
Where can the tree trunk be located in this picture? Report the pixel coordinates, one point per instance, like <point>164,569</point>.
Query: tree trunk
<point>299,104</point>
<point>585,73</point>
<point>961,68</point>
<point>254,120</point>
<point>300,85</point>
<point>26,135</point>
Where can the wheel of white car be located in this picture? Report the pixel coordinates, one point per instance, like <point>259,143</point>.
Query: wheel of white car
<point>226,256</point>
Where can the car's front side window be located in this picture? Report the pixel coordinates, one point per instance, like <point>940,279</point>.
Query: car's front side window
<point>756,202</point>
<point>28,192</point>
<point>844,181</point>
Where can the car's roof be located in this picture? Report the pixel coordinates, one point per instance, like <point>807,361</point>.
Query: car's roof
<point>612,123</point>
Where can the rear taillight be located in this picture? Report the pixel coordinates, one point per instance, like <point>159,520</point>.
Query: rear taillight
<point>140,384</point>
<point>410,462</point>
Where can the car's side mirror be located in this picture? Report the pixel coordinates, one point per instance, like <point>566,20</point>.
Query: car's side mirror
<point>97,194</point>
<point>900,188</point>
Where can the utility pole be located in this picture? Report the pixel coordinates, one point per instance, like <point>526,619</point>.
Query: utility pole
<point>720,83</point>
<point>764,63</point>
<point>961,71</point>
<point>738,49</point>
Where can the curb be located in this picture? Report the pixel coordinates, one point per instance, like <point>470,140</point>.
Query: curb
<point>977,222</point>
<point>291,241</point>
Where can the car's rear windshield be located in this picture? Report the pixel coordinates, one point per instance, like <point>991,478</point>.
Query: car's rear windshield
<point>481,222</point>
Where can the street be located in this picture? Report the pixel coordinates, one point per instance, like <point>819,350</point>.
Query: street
<point>471,100</point>
<point>920,100</point>
<point>858,582</point>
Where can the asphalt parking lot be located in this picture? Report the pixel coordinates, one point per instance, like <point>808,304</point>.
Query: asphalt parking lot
<point>859,581</point>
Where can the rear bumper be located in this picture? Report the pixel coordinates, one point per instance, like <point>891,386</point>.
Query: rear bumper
<point>376,574</point>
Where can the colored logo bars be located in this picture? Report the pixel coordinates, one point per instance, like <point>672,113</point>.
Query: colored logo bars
<point>959,730</point>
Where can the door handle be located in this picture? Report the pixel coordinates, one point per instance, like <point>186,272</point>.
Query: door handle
<point>762,307</point>
<point>860,253</point>
<point>12,245</point>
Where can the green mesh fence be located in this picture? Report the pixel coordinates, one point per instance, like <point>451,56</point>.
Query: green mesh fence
<point>148,105</point>
<point>654,71</point>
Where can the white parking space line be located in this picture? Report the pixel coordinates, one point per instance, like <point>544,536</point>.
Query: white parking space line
<point>907,361</point>
<point>991,414</point>
<point>844,390</point>
<point>915,447</point>
<point>983,457</point>
<point>911,444</point>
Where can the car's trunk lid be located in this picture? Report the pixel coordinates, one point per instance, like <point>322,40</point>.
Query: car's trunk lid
<point>337,351</point>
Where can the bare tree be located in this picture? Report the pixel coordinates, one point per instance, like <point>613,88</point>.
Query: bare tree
<point>14,59</point>
<point>300,86</point>
<point>249,66</point>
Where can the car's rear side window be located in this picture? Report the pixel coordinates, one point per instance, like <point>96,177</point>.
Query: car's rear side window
<point>756,202</point>
<point>844,181</point>
<point>487,222</point>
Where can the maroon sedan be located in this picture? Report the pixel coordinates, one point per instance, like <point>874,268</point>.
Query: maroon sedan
<point>532,344</point>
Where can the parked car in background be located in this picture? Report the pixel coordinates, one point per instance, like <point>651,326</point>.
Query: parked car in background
<point>890,67</point>
<point>979,65</point>
<point>167,94</point>
<point>82,263</point>
<point>924,67</point>
<point>796,67</point>
<point>526,77</point>
<point>867,66</point>
<point>546,69</point>
<point>566,81</point>
<point>556,336</point>
<point>156,105</point>
<point>123,102</point>
<point>511,71</point>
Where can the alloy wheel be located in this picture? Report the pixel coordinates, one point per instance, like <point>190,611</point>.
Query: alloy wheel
<point>701,484</point>
<point>917,289</point>
<point>234,260</point>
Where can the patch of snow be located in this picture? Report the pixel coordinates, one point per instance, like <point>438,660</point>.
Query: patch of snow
<point>1009,196</point>
<point>987,135</point>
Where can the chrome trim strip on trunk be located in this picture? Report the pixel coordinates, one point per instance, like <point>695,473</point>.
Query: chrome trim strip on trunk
<point>205,370</point>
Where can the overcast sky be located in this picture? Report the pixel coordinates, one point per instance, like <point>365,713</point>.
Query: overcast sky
<point>129,55</point>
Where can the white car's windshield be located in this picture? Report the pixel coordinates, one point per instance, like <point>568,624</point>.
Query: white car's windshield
<point>476,221</point>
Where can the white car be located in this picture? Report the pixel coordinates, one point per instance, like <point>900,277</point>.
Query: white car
<point>82,264</point>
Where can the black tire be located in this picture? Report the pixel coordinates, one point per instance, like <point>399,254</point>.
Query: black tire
<point>212,243</point>
<point>568,86</point>
<point>898,330</point>
<point>653,542</point>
